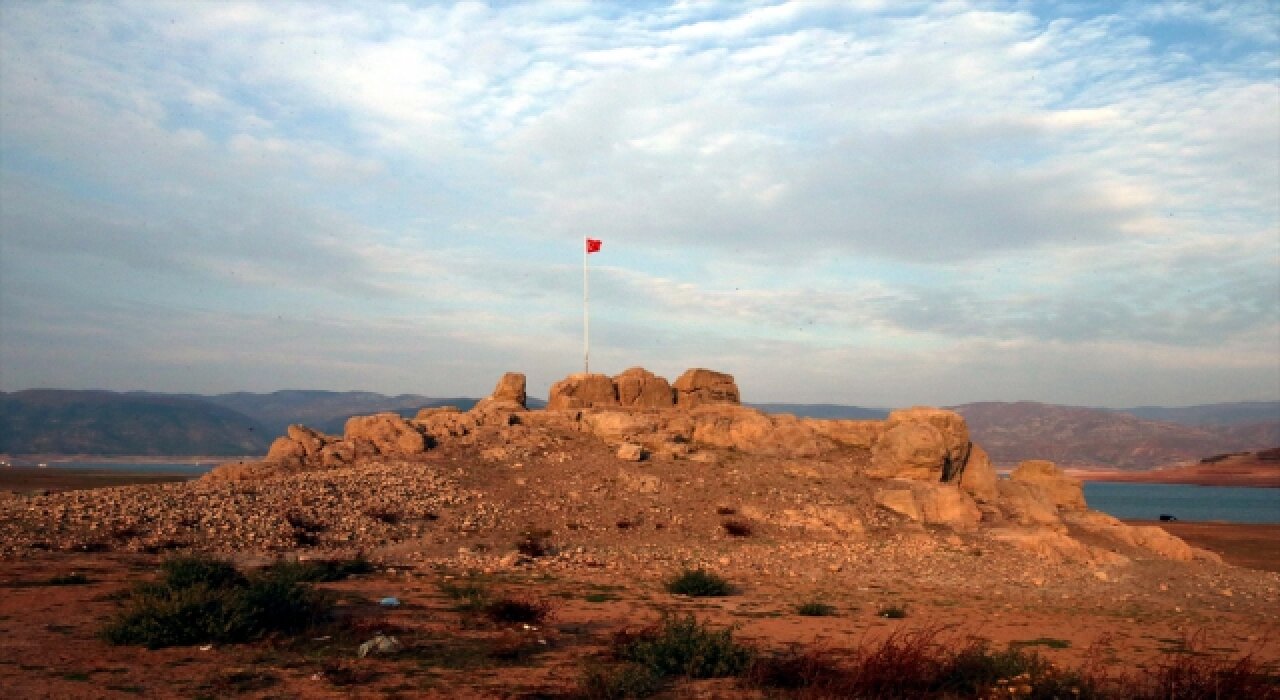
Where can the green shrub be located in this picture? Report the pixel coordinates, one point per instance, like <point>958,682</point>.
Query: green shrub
<point>619,682</point>
<point>699,583</point>
<point>206,600</point>
<point>685,647</point>
<point>815,609</point>
<point>318,571</point>
<point>199,569</point>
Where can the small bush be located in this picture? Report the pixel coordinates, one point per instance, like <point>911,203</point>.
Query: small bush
<point>685,647</point>
<point>893,612</point>
<point>318,571</point>
<point>619,682</point>
<point>793,669</point>
<point>207,600</point>
<point>515,610</point>
<point>472,597</point>
<point>737,527</point>
<point>198,569</point>
<point>815,609</point>
<point>534,543</point>
<point>74,578</point>
<point>726,510</point>
<point>699,583</point>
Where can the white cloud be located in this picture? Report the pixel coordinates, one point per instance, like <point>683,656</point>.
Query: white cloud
<point>931,183</point>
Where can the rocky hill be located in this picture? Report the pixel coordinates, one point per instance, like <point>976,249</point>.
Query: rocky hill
<point>47,421</point>
<point>1078,436</point>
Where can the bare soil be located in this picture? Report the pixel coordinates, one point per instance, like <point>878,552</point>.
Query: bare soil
<point>615,532</point>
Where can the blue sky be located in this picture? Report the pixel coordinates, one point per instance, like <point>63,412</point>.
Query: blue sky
<point>875,203</point>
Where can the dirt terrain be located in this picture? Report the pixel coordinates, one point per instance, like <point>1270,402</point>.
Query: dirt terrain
<point>611,530</point>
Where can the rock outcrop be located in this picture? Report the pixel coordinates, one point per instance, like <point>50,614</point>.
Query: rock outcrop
<point>1062,491</point>
<point>582,391</point>
<point>926,444</point>
<point>698,387</point>
<point>925,468</point>
<point>639,388</point>
<point>509,395</point>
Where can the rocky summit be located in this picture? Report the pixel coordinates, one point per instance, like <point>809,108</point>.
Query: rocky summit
<point>632,448</point>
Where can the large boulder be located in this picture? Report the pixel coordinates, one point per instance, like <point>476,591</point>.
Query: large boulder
<point>615,426</point>
<point>1147,537</point>
<point>921,443</point>
<point>698,387</point>
<point>640,388</point>
<point>300,445</point>
<point>1063,491</point>
<point>384,434</point>
<point>509,395</point>
<point>582,391</point>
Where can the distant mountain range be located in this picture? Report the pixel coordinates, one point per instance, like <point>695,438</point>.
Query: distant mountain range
<point>1072,435</point>
<point>242,423</point>
<point>105,423</point>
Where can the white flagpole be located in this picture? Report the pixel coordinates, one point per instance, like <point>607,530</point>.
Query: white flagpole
<point>586,317</point>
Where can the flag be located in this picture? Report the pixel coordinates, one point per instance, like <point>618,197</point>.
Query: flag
<point>593,245</point>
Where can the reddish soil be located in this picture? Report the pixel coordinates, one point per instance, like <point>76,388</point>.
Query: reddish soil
<point>612,553</point>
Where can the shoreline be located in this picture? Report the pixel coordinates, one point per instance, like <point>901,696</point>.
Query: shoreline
<point>1190,475</point>
<point>52,459</point>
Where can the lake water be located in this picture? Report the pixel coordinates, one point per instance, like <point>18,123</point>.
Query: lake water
<point>1186,502</point>
<point>136,467</point>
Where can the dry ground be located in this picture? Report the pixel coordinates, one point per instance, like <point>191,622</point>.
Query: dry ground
<point>616,532</point>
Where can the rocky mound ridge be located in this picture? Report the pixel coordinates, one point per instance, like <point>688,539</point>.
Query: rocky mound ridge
<point>635,470</point>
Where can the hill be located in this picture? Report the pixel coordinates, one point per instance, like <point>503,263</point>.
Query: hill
<point>1241,413</point>
<point>326,411</point>
<point>1072,435</point>
<point>823,410</point>
<point>47,421</point>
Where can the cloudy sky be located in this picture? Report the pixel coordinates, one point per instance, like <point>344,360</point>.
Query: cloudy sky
<point>873,203</point>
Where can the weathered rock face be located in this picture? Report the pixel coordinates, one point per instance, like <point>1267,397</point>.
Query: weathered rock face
<point>930,503</point>
<point>698,387</point>
<point>582,391</point>
<point>383,434</point>
<point>640,388</point>
<point>920,443</point>
<point>979,476</point>
<point>1026,503</point>
<point>850,433</point>
<point>508,395</point>
<point>1063,492</point>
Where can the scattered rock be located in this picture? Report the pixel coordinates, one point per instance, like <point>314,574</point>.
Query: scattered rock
<point>631,452</point>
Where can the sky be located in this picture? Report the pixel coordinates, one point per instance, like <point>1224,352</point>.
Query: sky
<point>871,203</point>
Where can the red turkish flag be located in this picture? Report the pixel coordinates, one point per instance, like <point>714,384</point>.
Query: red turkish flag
<point>593,245</point>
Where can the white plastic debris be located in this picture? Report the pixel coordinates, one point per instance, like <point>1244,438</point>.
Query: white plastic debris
<point>390,602</point>
<point>381,644</point>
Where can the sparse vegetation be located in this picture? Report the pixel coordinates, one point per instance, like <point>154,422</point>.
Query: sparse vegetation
<point>699,583</point>
<point>74,578</point>
<point>517,610</point>
<point>737,527</point>
<point>726,510</point>
<point>534,543</point>
<point>318,571</point>
<point>815,609</point>
<point>684,647</point>
<point>201,599</point>
<point>893,612</point>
